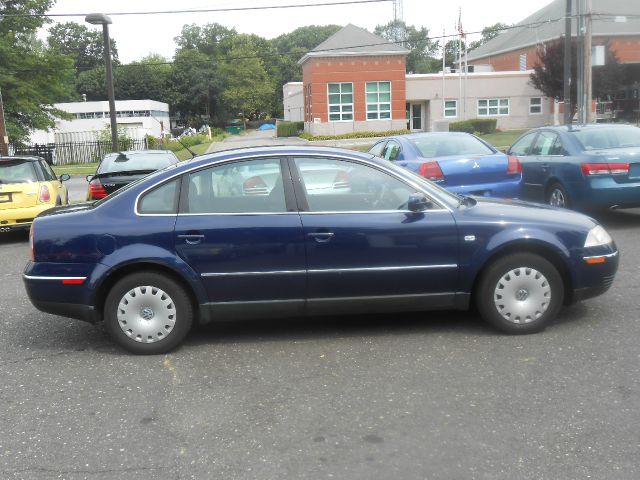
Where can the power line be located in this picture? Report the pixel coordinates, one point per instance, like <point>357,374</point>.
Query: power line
<point>201,10</point>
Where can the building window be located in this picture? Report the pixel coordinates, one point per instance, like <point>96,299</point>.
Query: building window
<point>450,108</point>
<point>523,62</point>
<point>340,101</point>
<point>535,105</point>
<point>378,100</point>
<point>493,107</point>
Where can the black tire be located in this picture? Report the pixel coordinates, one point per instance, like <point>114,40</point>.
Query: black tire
<point>557,196</point>
<point>170,315</point>
<point>516,274</point>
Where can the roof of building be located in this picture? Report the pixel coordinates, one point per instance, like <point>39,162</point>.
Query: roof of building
<point>354,41</point>
<point>610,18</point>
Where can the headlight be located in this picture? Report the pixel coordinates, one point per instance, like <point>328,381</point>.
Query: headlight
<point>597,236</point>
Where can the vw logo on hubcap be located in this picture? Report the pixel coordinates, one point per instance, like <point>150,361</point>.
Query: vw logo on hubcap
<point>522,295</point>
<point>146,313</point>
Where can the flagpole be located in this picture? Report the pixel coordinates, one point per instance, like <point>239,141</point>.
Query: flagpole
<point>443,73</point>
<point>459,65</point>
<point>466,68</point>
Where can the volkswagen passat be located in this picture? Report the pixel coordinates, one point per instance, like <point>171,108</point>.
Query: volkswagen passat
<point>273,232</point>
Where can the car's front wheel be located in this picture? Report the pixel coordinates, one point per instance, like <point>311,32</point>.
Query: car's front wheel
<point>148,313</point>
<point>520,293</point>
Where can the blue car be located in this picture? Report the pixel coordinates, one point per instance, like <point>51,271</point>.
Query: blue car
<point>460,162</point>
<point>587,167</point>
<point>284,231</point>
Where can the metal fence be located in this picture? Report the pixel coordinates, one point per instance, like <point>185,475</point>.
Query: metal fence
<point>76,152</point>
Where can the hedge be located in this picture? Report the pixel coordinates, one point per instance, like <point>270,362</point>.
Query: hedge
<point>344,136</point>
<point>289,129</point>
<point>479,125</point>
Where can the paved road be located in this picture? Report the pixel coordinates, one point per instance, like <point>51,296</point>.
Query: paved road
<point>437,396</point>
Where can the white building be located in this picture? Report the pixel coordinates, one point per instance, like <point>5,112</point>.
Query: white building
<point>137,117</point>
<point>293,102</point>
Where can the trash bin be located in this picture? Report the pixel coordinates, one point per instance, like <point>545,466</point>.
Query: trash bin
<point>233,129</point>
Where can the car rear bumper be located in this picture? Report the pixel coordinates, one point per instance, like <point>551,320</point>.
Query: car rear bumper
<point>21,218</point>
<point>606,193</point>
<point>508,189</point>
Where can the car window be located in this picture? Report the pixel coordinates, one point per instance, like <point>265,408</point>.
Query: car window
<point>17,171</point>
<point>444,145</point>
<point>391,151</point>
<point>377,149</point>
<point>131,161</point>
<point>253,186</point>
<point>521,147</point>
<point>342,186</point>
<point>608,137</point>
<point>545,143</point>
<point>161,200</point>
<point>557,147</point>
<point>47,172</point>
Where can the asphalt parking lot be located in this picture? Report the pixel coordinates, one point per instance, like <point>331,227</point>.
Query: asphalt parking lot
<point>421,396</point>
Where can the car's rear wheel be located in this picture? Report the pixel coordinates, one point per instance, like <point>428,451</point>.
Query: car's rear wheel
<point>148,313</point>
<point>557,196</point>
<point>520,293</point>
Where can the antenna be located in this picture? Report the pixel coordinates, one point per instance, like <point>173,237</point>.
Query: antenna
<point>397,10</point>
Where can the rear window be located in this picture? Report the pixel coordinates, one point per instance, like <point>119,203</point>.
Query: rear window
<point>131,161</point>
<point>431,146</point>
<point>608,137</point>
<point>17,171</point>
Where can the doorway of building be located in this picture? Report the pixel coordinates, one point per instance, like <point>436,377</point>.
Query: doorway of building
<point>415,116</point>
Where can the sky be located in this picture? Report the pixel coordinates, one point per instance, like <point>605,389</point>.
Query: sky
<point>138,35</point>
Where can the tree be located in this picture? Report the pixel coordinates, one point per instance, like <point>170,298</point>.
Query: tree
<point>489,33</point>
<point>451,52</point>
<point>548,74</point>
<point>85,46</point>
<point>32,78</point>
<point>249,90</point>
<point>149,78</point>
<point>422,50</point>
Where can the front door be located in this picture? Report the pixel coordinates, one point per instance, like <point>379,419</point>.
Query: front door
<point>238,228</point>
<point>364,249</point>
<point>414,116</point>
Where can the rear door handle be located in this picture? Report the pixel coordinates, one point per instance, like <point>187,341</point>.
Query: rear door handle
<point>321,237</point>
<point>191,238</point>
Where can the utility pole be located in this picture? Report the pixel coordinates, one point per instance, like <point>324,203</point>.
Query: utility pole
<point>580,62</point>
<point>567,64</point>
<point>588,87</point>
<point>4,141</point>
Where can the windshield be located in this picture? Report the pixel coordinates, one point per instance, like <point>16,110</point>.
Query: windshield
<point>608,137</point>
<point>444,145</point>
<point>131,161</point>
<point>17,171</point>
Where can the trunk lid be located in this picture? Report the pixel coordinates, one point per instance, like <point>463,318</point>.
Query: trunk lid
<point>19,195</point>
<point>471,170</point>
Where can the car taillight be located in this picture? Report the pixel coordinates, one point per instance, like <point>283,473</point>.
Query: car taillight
<point>341,180</point>
<point>431,171</point>
<point>513,166</point>
<point>96,190</point>
<point>604,168</point>
<point>255,186</point>
<point>31,244</point>
<point>45,197</point>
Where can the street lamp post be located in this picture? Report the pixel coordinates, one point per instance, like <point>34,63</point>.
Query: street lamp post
<point>104,20</point>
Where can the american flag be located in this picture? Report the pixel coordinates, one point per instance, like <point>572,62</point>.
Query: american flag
<point>460,30</point>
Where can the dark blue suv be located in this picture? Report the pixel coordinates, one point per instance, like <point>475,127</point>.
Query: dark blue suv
<point>272,232</point>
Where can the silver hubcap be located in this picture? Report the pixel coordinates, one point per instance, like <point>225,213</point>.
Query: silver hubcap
<point>522,295</point>
<point>557,198</point>
<point>146,314</point>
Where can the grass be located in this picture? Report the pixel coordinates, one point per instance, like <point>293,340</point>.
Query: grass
<point>503,139</point>
<point>197,149</point>
<point>76,169</point>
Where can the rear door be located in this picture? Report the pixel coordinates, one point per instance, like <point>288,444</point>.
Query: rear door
<point>239,229</point>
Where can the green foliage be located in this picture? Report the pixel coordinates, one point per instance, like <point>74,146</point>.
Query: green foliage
<point>422,50</point>
<point>387,133</point>
<point>489,33</point>
<point>32,78</point>
<point>124,141</point>
<point>189,141</point>
<point>78,42</point>
<point>289,129</point>
<point>477,126</point>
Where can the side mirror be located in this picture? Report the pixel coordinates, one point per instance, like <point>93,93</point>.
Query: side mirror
<point>89,177</point>
<point>418,202</point>
<point>64,177</point>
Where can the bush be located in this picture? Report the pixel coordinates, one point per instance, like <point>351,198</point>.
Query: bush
<point>387,133</point>
<point>289,129</point>
<point>479,125</point>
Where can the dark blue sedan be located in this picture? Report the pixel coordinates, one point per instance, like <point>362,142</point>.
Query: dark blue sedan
<point>460,162</point>
<point>274,232</point>
<point>581,167</point>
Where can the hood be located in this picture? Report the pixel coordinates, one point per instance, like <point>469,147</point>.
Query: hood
<point>499,210</point>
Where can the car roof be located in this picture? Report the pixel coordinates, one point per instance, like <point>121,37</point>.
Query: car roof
<point>137,152</point>
<point>29,158</point>
<point>590,126</point>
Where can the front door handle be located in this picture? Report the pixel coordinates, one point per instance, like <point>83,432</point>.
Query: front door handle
<point>192,238</point>
<point>321,237</point>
